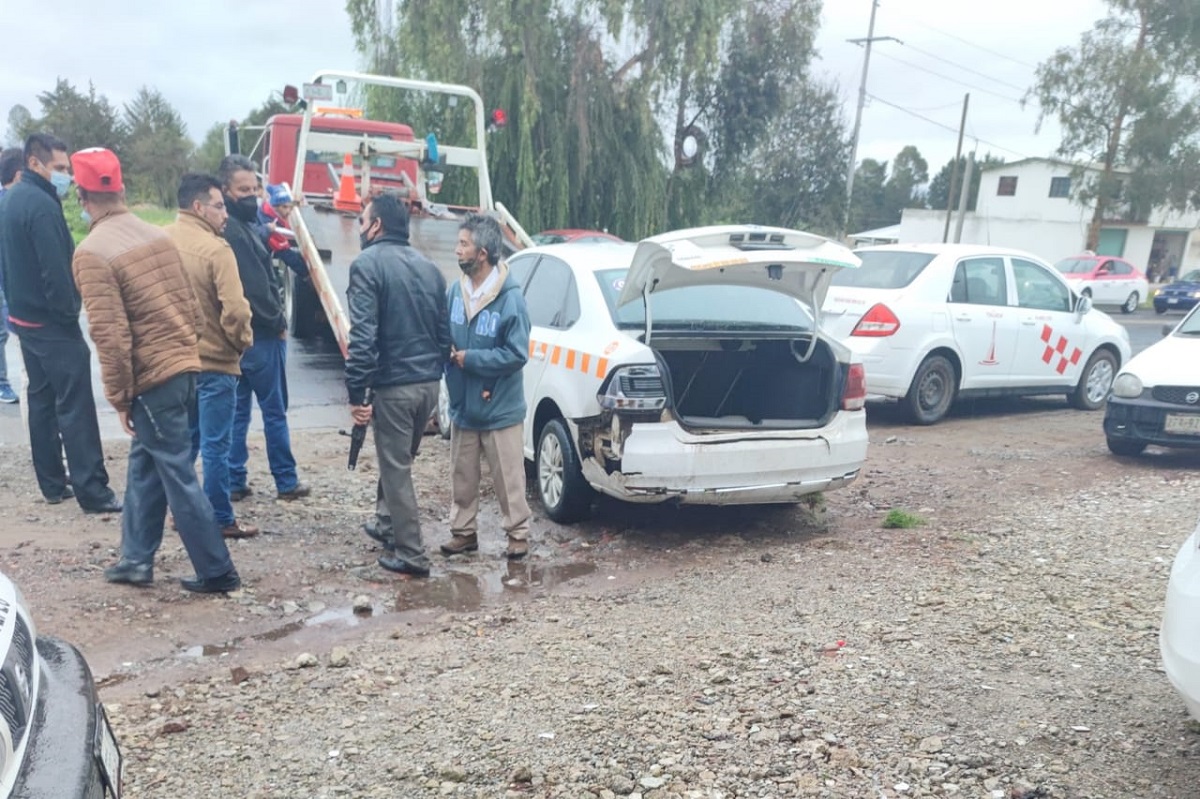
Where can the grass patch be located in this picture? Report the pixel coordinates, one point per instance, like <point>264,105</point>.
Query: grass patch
<point>902,520</point>
<point>154,215</point>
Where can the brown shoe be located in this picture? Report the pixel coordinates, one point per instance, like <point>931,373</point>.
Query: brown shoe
<point>299,492</point>
<point>517,548</point>
<point>239,530</point>
<point>458,544</point>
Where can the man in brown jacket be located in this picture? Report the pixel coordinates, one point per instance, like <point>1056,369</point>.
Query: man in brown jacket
<point>224,335</point>
<point>143,317</point>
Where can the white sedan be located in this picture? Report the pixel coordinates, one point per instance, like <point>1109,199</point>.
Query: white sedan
<point>933,323</point>
<point>1178,641</point>
<point>1156,397</point>
<point>688,368</point>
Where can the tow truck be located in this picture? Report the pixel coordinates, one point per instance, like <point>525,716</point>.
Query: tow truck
<point>332,159</point>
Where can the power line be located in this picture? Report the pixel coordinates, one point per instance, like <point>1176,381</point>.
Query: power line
<point>952,80</point>
<point>910,112</point>
<point>972,44</point>
<point>964,69</point>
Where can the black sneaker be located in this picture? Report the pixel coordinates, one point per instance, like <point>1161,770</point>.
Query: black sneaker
<point>130,573</point>
<point>299,492</point>
<point>213,585</point>
<point>238,494</point>
<point>395,564</point>
<point>67,493</point>
<point>373,533</point>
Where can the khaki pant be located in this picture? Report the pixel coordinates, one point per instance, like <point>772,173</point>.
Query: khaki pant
<point>506,461</point>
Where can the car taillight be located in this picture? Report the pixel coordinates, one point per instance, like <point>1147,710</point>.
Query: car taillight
<point>854,397</point>
<point>634,388</point>
<point>877,322</point>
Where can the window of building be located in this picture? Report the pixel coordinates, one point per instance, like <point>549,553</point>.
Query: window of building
<point>1008,187</point>
<point>1060,187</point>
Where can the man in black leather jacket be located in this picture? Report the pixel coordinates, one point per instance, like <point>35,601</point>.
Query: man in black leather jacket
<point>399,343</point>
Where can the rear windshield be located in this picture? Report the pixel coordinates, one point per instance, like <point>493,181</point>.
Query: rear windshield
<point>706,307</point>
<point>1076,266</point>
<point>883,269</point>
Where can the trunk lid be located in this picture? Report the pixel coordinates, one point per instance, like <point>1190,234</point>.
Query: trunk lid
<point>789,262</point>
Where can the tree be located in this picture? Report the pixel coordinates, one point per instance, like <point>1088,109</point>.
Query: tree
<point>793,176</point>
<point>939,187</point>
<point>910,172</point>
<point>19,123</point>
<point>868,207</point>
<point>1125,97</point>
<point>157,149</point>
<point>585,140</point>
<point>207,156</point>
<point>80,120</point>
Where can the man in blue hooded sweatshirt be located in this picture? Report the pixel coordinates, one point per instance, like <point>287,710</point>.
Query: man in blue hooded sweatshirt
<point>489,335</point>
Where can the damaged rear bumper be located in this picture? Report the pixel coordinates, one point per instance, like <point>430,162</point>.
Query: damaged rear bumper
<point>661,461</point>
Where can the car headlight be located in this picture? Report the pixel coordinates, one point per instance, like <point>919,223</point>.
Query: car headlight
<point>1127,386</point>
<point>1156,292</point>
<point>1195,295</point>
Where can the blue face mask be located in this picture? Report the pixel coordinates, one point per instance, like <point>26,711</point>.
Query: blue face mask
<point>61,182</point>
<point>86,217</point>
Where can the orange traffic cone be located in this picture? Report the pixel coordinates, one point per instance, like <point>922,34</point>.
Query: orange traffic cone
<point>347,198</point>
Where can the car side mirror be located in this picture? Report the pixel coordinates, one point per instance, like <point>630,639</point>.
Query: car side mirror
<point>1083,305</point>
<point>1166,330</point>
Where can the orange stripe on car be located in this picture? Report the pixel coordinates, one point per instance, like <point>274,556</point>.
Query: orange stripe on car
<point>570,358</point>
<point>555,355</point>
<point>585,361</point>
<point>601,366</point>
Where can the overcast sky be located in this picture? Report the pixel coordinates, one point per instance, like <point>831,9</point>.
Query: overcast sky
<point>217,59</point>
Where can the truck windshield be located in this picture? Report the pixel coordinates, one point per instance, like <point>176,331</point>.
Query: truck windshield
<point>706,307</point>
<point>883,269</point>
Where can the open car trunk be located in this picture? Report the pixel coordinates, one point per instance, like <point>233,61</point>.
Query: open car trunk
<point>750,383</point>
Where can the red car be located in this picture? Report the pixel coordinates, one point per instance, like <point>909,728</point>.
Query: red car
<point>573,236</point>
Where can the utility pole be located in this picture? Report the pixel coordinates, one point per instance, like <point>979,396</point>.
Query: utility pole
<point>954,170</point>
<point>862,101</point>
<point>964,197</point>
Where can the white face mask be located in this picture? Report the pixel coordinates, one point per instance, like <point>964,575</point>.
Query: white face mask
<point>61,182</point>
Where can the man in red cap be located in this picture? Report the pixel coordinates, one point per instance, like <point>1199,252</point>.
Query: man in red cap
<point>143,317</point>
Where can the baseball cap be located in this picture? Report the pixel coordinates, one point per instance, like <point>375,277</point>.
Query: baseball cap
<point>97,169</point>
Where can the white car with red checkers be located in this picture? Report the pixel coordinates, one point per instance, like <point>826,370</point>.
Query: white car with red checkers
<point>689,367</point>
<point>933,323</point>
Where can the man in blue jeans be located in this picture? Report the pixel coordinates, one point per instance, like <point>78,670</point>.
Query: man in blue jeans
<point>143,316</point>
<point>10,172</point>
<point>224,335</point>
<point>263,365</point>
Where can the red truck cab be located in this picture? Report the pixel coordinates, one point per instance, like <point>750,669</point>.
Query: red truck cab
<point>279,144</point>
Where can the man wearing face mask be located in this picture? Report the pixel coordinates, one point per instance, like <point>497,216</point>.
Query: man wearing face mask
<point>43,308</point>
<point>399,342</point>
<point>489,330</point>
<point>263,365</point>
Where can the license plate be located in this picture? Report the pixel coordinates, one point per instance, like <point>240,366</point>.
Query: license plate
<point>108,753</point>
<point>1173,301</point>
<point>1187,425</point>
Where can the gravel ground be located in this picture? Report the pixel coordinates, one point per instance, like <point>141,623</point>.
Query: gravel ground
<point>1006,648</point>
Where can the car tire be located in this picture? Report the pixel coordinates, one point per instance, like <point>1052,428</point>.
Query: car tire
<point>1131,303</point>
<point>1125,447</point>
<point>932,391</point>
<point>561,487</point>
<point>442,413</point>
<point>1159,311</point>
<point>1092,390</point>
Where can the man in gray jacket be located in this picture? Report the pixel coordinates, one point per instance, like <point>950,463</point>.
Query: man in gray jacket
<point>399,343</point>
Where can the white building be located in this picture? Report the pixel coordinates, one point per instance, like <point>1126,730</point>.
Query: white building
<point>1027,205</point>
